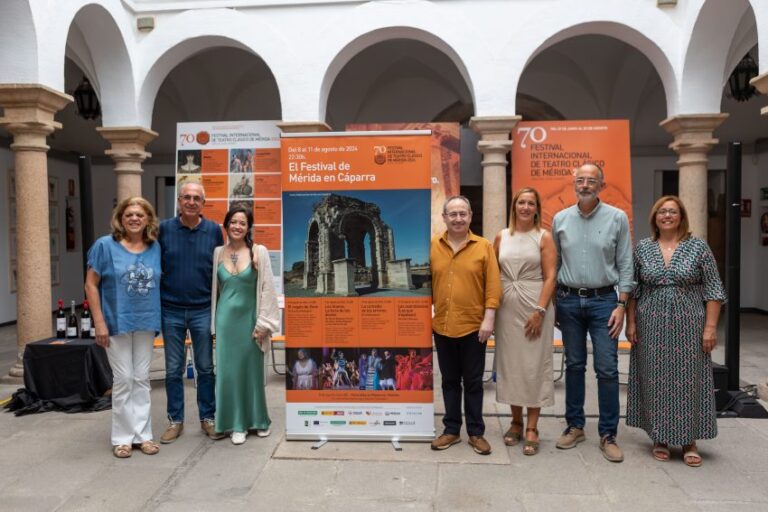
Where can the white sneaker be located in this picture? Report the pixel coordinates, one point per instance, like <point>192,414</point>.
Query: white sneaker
<point>263,432</point>
<point>238,437</point>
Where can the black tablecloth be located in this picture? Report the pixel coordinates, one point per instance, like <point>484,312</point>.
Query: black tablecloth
<point>72,376</point>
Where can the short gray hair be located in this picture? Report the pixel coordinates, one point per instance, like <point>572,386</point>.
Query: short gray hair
<point>454,198</point>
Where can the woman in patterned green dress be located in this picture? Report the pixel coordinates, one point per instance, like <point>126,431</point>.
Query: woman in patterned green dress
<point>244,316</point>
<point>672,324</point>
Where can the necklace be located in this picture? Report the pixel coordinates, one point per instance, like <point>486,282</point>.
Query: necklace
<point>669,248</point>
<point>233,256</point>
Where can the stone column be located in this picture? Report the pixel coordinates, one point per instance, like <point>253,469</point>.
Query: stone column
<point>760,83</point>
<point>29,111</point>
<point>693,140</point>
<point>303,126</point>
<point>495,143</point>
<point>128,144</point>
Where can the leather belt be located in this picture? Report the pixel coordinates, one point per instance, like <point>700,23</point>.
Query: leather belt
<point>587,292</point>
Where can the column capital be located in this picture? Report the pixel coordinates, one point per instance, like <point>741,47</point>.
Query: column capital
<point>31,103</point>
<point>493,127</point>
<point>760,82</point>
<point>693,131</point>
<point>128,152</point>
<point>29,111</point>
<point>303,126</point>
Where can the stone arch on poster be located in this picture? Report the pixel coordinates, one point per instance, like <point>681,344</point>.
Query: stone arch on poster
<point>339,231</point>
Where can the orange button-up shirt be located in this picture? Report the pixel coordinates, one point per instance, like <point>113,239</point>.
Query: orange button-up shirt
<point>464,284</point>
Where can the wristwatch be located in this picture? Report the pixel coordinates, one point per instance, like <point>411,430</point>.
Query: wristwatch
<point>541,310</point>
<point>621,303</point>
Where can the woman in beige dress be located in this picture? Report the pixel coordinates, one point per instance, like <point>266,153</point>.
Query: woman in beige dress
<point>525,320</point>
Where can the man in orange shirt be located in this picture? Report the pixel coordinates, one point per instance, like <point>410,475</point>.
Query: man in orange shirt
<point>466,289</point>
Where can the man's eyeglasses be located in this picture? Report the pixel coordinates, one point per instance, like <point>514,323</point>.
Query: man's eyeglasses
<point>589,181</point>
<point>187,197</point>
<point>457,215</point>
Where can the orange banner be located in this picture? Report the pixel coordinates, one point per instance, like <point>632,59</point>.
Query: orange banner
<point>215,210</point>
<point>355,163</point>
<point>546,153</point>
<point>266,186</point>
<point>215,186</point>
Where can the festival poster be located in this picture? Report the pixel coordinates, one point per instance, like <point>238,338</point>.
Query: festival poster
<point>238,162</point>
<point>545,154</point>
<point>356,219</point>
<point>445,167</point>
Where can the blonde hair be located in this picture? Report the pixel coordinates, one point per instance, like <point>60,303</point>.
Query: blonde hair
<point>513,212</point>
<point>683,232</point>
<point>150,231</point>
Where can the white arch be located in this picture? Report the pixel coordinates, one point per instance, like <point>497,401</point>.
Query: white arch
<point>708,54</point>
<point>190,32</point>
<point>363,41</point>
<point>634,36</point>
<point>18,43</point>
<point>99,49</point>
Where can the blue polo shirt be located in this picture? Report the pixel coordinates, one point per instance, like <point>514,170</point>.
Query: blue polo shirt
<point>187,259</point>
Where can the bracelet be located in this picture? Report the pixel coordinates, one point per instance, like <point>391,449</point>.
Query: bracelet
<point>541,310</point>
<point>621,303</point>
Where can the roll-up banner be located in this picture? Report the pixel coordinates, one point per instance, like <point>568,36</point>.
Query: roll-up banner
<point>545,154</point>
<point>238,162</point>
<point>356,217</point>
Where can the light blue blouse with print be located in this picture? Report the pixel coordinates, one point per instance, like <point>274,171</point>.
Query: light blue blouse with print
<point>129,287</point>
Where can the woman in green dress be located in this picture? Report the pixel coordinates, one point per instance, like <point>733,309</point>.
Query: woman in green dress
<point>244,316</point>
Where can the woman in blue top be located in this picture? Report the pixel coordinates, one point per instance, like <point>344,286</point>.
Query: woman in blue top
<point>122,287</point>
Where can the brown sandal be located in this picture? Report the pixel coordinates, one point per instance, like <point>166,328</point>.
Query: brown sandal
<point>122,451</point>
<point>512,437</point>
<point>691,456</point>
<point>149,447</point>
<point>531,447</point>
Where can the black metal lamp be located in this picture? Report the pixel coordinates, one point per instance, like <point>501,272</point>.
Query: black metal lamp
<point>738,82</point>
<point>87,102</point>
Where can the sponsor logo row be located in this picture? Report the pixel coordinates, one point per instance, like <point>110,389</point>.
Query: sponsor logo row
<point>358,423</point>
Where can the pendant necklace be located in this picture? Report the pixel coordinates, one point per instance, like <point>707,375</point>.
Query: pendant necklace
<point>233,257</point>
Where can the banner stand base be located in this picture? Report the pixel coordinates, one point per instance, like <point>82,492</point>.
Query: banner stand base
<point>319,444</point>
<point>396,444</point>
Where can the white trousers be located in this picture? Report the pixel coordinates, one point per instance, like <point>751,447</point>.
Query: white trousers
<point>129,356</point>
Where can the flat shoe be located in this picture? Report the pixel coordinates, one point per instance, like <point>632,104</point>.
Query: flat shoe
<point>691,456</point>
<point>238,437</point>
<point>149,447</point>
<point>660,452</point>
<point>263,432</point>
<point>122,451</point>
<point>512,437</point>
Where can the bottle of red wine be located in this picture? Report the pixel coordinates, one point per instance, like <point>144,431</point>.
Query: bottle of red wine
<point>86,325</point>
<point>72,322</point>
<point>61,321</point>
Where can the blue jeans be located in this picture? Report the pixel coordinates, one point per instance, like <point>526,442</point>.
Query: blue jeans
<point>578,316</point>
<point>176,321</point>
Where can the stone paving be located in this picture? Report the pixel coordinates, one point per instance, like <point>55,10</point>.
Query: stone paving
<point>56,461</point>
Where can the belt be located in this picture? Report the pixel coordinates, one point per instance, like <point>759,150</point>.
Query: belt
<point>587,292</point>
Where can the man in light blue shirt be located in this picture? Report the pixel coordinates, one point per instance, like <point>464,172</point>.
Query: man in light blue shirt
<point>594,255</point>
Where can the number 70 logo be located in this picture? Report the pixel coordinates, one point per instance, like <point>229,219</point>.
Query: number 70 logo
<point>536,134</point>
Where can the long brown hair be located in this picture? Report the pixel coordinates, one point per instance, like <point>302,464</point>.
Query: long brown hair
<point>683,231</point>
<point>513,212</point>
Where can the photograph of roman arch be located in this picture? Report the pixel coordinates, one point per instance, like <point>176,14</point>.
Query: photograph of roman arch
<point>353,243</point>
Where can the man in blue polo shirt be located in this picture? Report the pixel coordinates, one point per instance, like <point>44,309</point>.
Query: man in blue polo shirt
<point>187,243</point>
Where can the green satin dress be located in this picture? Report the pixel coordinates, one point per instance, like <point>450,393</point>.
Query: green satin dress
<point>241,403</point>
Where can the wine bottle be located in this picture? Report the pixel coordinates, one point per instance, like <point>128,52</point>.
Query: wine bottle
<point>61,321</point>
<point>72,322</point>
<point>86,325</point>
